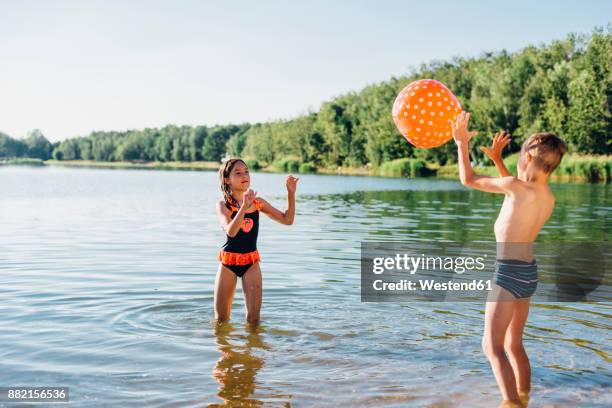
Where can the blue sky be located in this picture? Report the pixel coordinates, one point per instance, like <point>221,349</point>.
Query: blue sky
<point>70,67</point>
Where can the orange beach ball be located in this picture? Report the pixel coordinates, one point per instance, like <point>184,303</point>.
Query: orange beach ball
<point>423,112</point>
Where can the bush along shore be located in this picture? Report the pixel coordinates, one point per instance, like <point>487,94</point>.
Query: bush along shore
<point>22,161</point>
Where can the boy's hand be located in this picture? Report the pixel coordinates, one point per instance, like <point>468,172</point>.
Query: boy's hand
<point>292,183</point>
<point>248,198</point>
<point>460,129</point>
<point>501,140</point>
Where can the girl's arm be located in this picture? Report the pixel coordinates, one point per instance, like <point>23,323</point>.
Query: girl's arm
<point>229,225</point>
<point>288,216</point>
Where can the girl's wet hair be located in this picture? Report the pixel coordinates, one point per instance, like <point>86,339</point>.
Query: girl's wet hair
<point>224,172</point>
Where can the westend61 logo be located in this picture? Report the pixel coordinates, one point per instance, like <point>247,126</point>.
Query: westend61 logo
<point>412,264</point>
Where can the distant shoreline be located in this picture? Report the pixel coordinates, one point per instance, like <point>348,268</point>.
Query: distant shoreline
<point>197,165</point>
<point>448,172</point>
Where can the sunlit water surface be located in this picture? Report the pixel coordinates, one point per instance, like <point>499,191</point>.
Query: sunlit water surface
<point>106,279</point>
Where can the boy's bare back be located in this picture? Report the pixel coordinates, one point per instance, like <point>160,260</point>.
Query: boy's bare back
<point>526,208</point>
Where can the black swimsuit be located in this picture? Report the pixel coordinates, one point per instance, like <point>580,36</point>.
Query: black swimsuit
<point>239,252</point>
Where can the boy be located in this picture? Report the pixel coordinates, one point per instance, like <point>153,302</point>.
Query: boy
<point>526,208</point>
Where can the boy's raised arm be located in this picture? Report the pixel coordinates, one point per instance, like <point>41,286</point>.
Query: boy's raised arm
<point>501,140</point>
<point>467,175</point>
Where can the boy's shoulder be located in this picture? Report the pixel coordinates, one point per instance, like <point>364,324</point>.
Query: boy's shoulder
<point>513,185</point>
<point>531,190</point>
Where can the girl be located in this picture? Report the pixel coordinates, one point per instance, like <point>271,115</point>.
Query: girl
<point>238,213</point>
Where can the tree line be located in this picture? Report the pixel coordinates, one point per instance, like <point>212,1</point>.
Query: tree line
<point>34,145</point>
<point>564,87</point>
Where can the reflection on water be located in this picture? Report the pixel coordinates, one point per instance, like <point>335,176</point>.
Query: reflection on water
<point>238,364</point>
<point>240,359</point>
<point>107,278</point>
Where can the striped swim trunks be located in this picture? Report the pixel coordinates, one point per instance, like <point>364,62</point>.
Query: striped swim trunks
<point>520,278</point>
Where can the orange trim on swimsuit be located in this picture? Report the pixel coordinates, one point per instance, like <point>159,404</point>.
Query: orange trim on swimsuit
<point>235,258</point>
<point>257,206</point>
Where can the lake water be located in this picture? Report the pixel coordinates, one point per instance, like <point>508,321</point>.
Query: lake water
<point>106,280</point>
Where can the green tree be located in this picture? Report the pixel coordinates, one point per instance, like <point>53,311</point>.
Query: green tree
<point>37,145</point>
<point>10,147</point>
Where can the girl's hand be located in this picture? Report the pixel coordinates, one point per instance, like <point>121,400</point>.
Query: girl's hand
<point>292,183</point>
<point>248,198</point>
<point>501,140</point>
<point>460,129</point>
